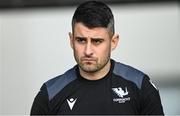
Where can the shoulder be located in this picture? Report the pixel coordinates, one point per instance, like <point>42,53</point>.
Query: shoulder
<point>129,73</point>
<point>56,84</point>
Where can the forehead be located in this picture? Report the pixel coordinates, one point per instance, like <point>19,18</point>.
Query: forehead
<point>81,30</point>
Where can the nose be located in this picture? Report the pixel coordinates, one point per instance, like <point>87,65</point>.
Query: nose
<point>88,50</point>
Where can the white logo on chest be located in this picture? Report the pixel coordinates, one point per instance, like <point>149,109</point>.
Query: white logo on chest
<point>121,93</point>
<point>71,102</point>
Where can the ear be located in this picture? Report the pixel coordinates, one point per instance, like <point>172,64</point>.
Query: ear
<point>114,41</point>
<point>71,39</point>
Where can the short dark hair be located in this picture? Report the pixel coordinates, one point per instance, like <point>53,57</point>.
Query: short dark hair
<point>94,14</point>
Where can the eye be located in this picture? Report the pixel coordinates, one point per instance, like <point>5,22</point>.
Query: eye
<point>81,40</point>
<point>97,41</point>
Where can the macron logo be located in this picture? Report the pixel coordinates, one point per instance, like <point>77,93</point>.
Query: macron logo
<point>71,102</point>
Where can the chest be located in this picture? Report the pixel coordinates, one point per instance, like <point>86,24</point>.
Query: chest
<point>101,98</point>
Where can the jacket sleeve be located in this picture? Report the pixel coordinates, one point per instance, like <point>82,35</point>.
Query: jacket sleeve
<point>40,105</point>
<point>150,98</point>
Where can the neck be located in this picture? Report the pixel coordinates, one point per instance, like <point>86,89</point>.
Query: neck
<point>96,75</point>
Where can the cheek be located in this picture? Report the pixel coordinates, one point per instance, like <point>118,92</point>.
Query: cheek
<point>78,50</point>
<point>104,50</point>
<point>107,47</point>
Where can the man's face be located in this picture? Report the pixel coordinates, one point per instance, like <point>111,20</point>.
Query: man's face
<point>92,47</point>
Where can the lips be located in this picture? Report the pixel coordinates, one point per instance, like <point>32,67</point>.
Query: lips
<point>88,59</point>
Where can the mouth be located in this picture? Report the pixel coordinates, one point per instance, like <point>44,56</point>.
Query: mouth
<point>88,60</point>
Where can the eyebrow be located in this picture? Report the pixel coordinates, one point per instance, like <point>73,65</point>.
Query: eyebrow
<point>78,37</point>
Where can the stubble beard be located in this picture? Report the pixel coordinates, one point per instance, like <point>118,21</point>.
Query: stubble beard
<point>93,67</point>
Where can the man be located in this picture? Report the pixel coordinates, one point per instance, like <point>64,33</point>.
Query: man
<point>97,84</point>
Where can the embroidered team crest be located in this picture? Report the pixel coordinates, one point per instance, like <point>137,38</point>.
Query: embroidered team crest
<point>121,94</point>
